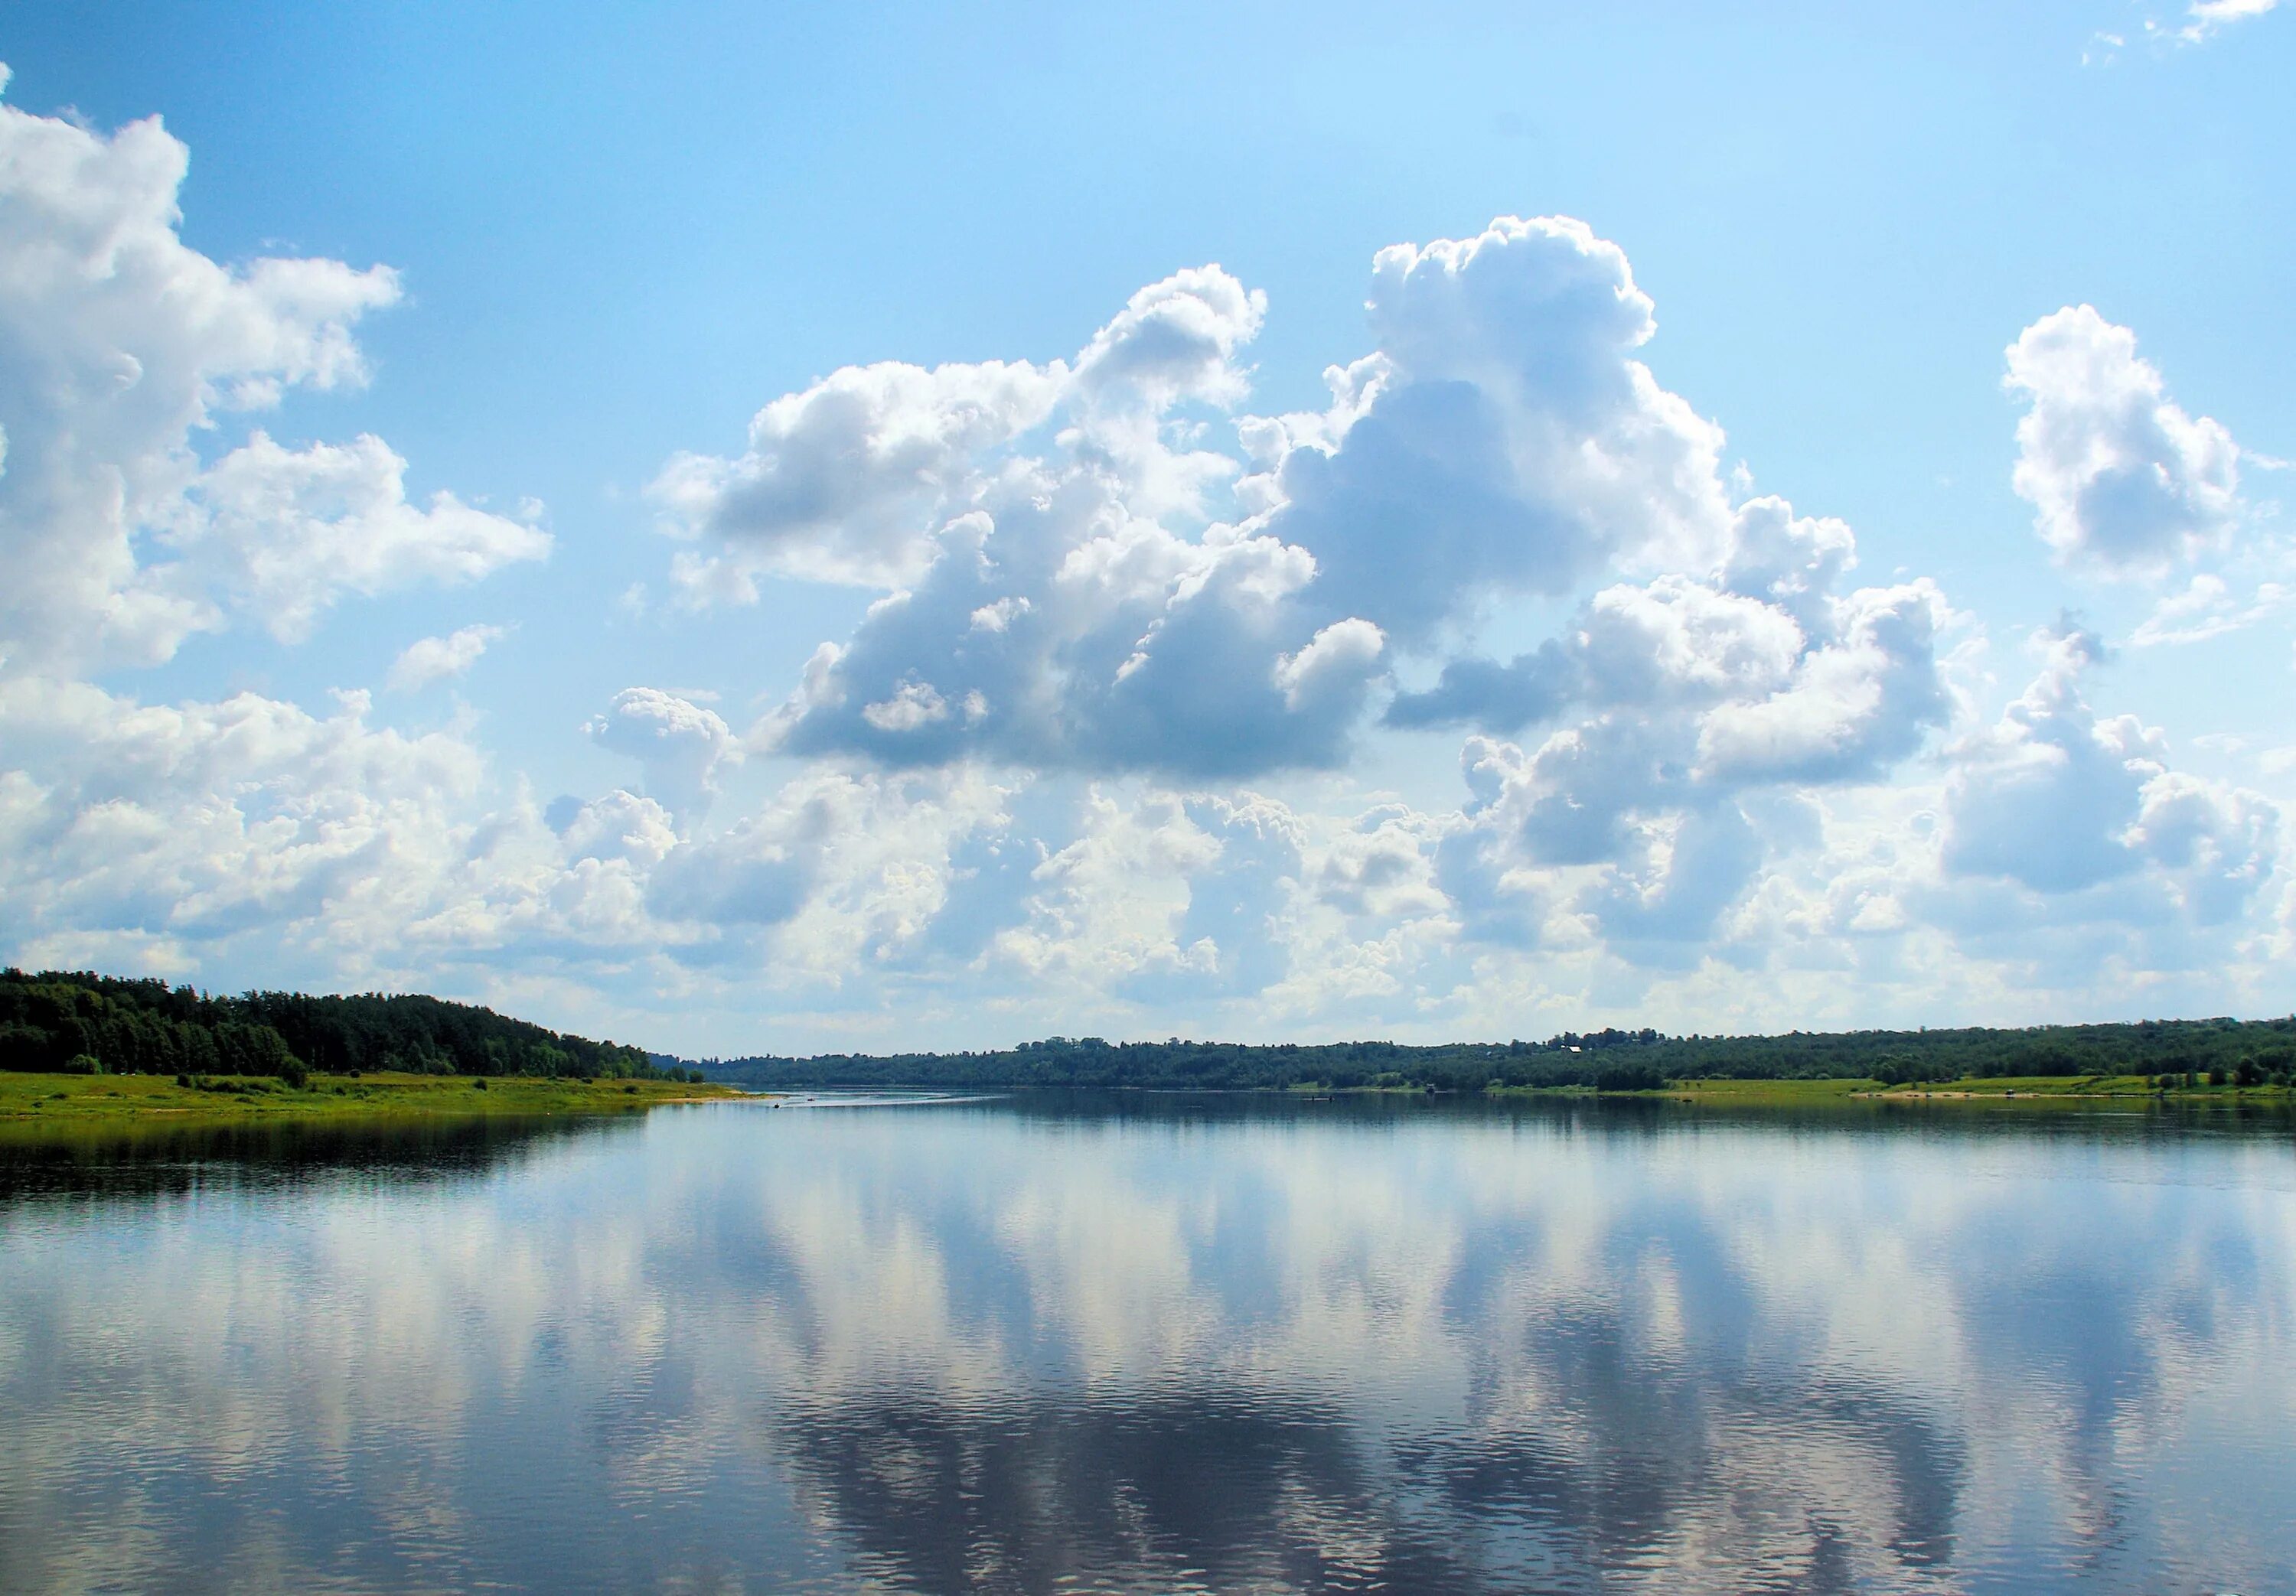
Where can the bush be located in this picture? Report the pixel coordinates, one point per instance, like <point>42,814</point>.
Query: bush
<point>83,1064</point>
<point>1629,1077</point>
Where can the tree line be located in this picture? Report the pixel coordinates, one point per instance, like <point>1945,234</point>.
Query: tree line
<point>2218,1051</point>
<point>80,1022</point>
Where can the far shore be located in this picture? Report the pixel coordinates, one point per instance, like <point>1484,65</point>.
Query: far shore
<point>31,1103</point>
<point>2067,1091</point>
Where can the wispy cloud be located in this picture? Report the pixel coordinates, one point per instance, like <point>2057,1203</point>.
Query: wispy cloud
<point>2205,17</point>
<point>437,658</point>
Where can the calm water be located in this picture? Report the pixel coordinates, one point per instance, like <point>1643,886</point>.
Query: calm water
<point>1030,1345</point>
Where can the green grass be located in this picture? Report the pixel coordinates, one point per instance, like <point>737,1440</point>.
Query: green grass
<point>71,1100</point>
<point>1760,1093</point>
<point>29,1102</point>
<point>2041,1089</point>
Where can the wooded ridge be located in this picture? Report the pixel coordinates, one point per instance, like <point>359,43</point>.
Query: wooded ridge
<point>78,1022</point>
<point>2233,1052</point>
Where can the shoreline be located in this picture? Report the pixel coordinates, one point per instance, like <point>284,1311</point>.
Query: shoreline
<point>35,1104</point>
<point>39,1101</point>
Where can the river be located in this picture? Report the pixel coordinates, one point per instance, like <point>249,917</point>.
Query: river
<point>1038,1343</point>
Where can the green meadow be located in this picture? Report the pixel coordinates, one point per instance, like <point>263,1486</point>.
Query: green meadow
<point>64,1100</point>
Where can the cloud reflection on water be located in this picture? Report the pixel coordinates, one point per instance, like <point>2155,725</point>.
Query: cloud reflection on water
<point>998,1347</point>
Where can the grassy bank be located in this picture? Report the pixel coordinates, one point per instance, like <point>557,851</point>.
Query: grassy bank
<point>71,1100</point>
<point>2069,1089</point>
<point>27,1101</point>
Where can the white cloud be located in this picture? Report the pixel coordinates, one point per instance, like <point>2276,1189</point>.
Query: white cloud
<point>2207,608</point>
<point>2205,17</point>
<point>913,707</point>
<point>2121,476</point>
<point>282,533</point>
<point>846,481</point>
<point>2060,800</point>
<point>1853,706</point>
<point>120,348</point>
<point>1503,433</point>
<point>194,823</point>
<point>1175,339</point>
<point>438,659</point>
<point>680,744</point>
<point>1108,908</point>
<point>1337,659</point>
<point>1744,785</point>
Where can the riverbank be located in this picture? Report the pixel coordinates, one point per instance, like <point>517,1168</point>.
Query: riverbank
<point>29,1101</point>
<point>2126,1089</point>
<point>2068,1091</point>
<point>74,1100</point>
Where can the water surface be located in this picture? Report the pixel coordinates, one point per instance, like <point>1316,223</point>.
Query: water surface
<point>1040,1345</point>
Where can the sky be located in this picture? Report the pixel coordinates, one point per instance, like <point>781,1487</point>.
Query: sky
<point>845,528</point>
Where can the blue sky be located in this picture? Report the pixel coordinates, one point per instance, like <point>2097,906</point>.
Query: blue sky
<point>2024,758</point>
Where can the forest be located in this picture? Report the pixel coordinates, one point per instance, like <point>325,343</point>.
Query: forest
<point>80,1022</point>
<point>76,1022</point>
<point>2212,1051</point>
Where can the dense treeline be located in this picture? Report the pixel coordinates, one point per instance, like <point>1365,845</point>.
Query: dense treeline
<point>2225,1051</point>
<point>80,1022</point>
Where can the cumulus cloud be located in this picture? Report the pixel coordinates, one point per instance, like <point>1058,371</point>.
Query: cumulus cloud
<point>680,745</point>
<point>282,533</point>
<point>2120,477</point>
<point>1106,597</point>
<point>184,826</point>
<point>1757,672</point>
<point>843,481</point>
<point>438,659</point>
<point>1692,705</point>
<point>1148,898</point>
<point>1852,707</point>
<point>1503,699</point>
<point>1336,658</point>
<point>1503,433</point>
<point>1069,599</point>
<point>120,348</point>
<point>1502,438</point>
<point>2060,800</point>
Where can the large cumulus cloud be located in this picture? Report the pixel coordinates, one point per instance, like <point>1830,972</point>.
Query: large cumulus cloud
<point>1076,581</point>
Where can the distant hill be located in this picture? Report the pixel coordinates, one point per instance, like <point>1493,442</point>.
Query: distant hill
<point>2247,1051</point>
<point>76,1020</point>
